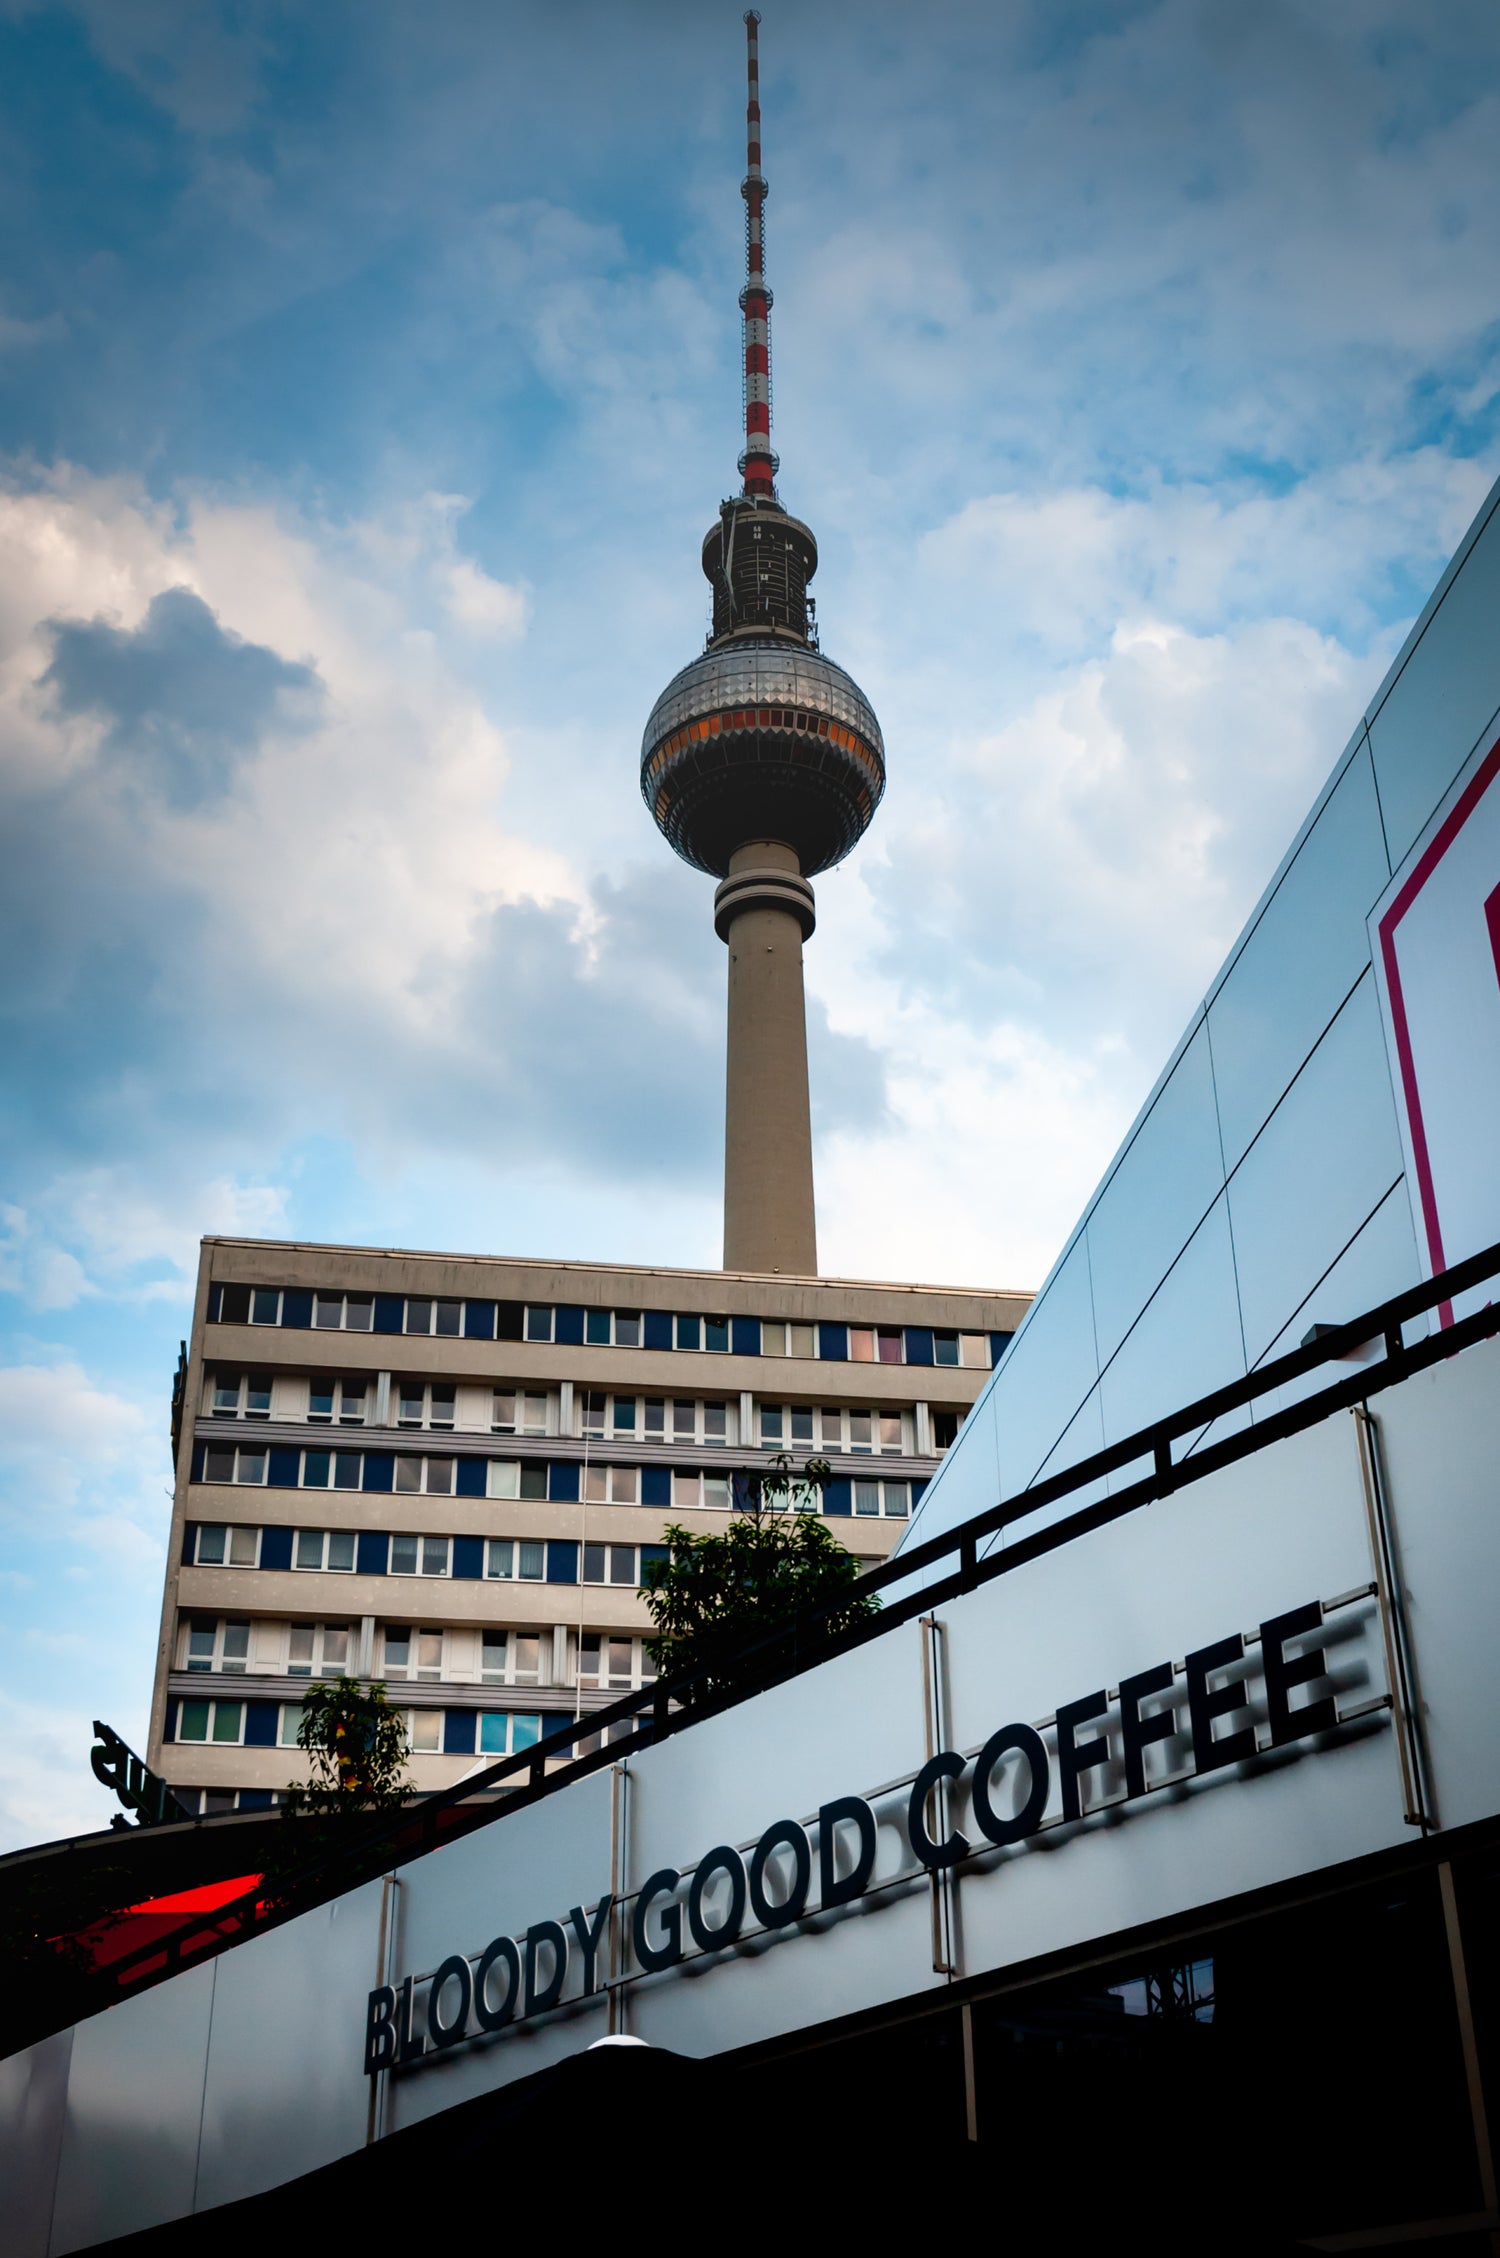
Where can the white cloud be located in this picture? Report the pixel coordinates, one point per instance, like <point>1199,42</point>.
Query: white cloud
<point>47,1790</point>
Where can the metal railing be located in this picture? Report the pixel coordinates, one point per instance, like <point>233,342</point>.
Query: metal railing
<point>672,1705</point>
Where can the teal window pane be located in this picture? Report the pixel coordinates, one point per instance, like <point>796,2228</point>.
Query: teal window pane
<point>492,1733</point>
<point>525,1730</point>
<point>192,1721</point>
<point>228,1718</point>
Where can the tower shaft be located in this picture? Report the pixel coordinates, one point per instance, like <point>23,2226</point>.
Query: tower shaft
<point>764,911</point>
<point>757,463</point>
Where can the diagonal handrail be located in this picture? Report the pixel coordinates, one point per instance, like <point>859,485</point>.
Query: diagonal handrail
<point>672,1704</point>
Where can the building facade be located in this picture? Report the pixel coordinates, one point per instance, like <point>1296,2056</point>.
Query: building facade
<point>449,1473</point>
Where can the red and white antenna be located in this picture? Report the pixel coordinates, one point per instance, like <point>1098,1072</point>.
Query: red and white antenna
<point>758,466</point>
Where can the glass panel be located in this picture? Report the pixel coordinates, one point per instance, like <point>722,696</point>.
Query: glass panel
<point>716,1333</point>
<point>316,1468</point>
<point>504,1478</point>
<point>619,1662</point>
<point>440,1477</point>
<point>236,1645</point>
<point>861,1434</point>
<point>434,1556</point>
<point>861,1345</point>
<point>287,1723</point>
<point>801,1341</point>
<point>802,1423</point>
<point>625,1483</point>
<point>429,1654</point>
<point>251,1467</point>
<point>772,1337</point>
<point>408,1475</point>
<point>228,1718</point>
<point>528,1656</point>
<point>341,1549</point>
<point>211,1544</point>
<point>771,1420</point>
<point>595,1487</point>
<point>328,1310</point>
<point>244,1546</point>
<point>588,1658</point>
<point>627,1330</point>
<point>867,1497</point>
<point>397,1646</point>
<point>503,1411</point>
<point>309,1552</point>
<point>538,1324</point>
<point>320,1399</point>
<point>622,1564</point>
<point>427,1730</point>
<point>419,1317</point>
<point>449,1319</point>
<point>897,1499</point>
<point>359,1313</point>
<point>226,1395</point>
<point>352,1411</point>
<point>265,1305</point>
<point>495,1646</point>
<point>684,1422</point>
<point>258,1398</point>
<point>832,1429</point>
<point>532,1565</point>
<point>218,1466</point>
<point>335,1648</point>
<point>200,1648</point>
<point>593,1563</point>
<point>716,1492</point>
<point>494,1732</point>
<point>685,1489</point>
<point>533,1482</point>
<point>192,1721</point>
<point>411,1402</point>
<point>624,1418</point>
<point>596,1327</point>
<point>689,1332</point>
<point>656,1419</point>
<point>346,1470</point>
<point>534,1411</point>
<point>890,1430</point>
<point>974,1350</point>
<point>595,1402</point>
<point>403,1556</point>
<point>715,1422</point>
<point>889,1346</point>
<point>945,1348</point>
<point>525,1731</point>
<point>499,1557</point>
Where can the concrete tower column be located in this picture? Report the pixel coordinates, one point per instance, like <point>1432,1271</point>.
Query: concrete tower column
<point>764,911</point>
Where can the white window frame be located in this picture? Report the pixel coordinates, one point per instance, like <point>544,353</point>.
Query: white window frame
<point>408,1390</point>
<point>872,1334</point>
<point>261,1293</point>
<point>511,1674</point>
<point>210,1739</point>
<point>319,1666</point>
<point>641,1672</point>
<point>324,1565</point>
<point>539,1310</point>
<point>421,1539</point>
<point>521,1395</point>
<point>333,1454</point>
<point>241,1459</point>
<point>781,1337</point>
<point>231,1529</point>
<point>346,1302</point>
<point>517,1736</point>
<point>707,1484</point>
<point>496,1550</point>
<point>426,1463</point>
<point>612,1335</point>
<point>216,1665</point>
<point>888,1487</point>
<point>432,1303</point>
<point>342,1393</point>
<point>241,1407</point>
<point>414,1672</point>
<point>609,1582</point>
<point>409,1719</point>
<point>610,1485</point>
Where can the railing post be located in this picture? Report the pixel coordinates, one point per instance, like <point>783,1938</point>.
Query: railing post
<point>1163,1455</point>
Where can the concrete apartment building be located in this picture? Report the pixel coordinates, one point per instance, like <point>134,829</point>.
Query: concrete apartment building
<point>443,1472</point>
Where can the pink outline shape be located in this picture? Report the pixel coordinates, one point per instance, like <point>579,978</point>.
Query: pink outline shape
<point>1453,823</point>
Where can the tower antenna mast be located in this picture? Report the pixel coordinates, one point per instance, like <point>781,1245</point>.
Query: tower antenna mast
<point>758,466</point>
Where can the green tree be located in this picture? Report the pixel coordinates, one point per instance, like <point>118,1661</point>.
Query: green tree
<point>358,1750</point>
<point>714,1594</point>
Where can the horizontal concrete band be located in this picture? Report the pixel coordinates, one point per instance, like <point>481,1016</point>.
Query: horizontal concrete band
<point>764,889</point>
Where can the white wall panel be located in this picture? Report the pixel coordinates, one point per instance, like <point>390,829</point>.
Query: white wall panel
<point>33,2101</point>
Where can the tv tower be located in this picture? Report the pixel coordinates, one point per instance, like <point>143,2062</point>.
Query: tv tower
<point>763,763</point>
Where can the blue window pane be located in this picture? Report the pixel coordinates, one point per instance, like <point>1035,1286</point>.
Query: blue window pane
<point>716,1333</point>
<point>265,1305</point>
<point>316,1467</point>
<point>689,1333</point>
<point>493,1733</point>
<point>596,1328</point>
<point>192,1721</point>
<point>945,1348</point>
<point>346,1467</point>
<point>525,1730</point>
<point>538,1324</point>
<point>403,1556</point>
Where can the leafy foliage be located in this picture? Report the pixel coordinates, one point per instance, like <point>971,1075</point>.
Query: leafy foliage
<point>358,1747</point>
<point>715,1594</point>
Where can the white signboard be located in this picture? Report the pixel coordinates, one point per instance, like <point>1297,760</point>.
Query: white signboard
<point>1435,939</point>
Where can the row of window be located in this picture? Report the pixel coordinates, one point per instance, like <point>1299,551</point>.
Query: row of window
<point>371,1552</point>
<point>429,1732</point>
<point>569,1323</point>
<point>209,1644</point>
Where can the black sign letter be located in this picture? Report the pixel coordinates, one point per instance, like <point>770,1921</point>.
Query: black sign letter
<point>1206,1702</point>
<point>502,1952</point>
<point>946,1765</point>
<point>1026,1743</point>
<point>1077,1757</point>
<point>782,1834</point>
<point>588,1938</point>
<point>1288,1724</point>
<point>380,2030</point>
<point>1138,1732</point>
<point>706,1936</point>
<point>669,1951</point>
<point>833,1888</point>
<point>456,1969</point>
<point>539,1997</point>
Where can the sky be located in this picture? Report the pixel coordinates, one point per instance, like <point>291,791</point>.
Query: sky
<point>368,378</point>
